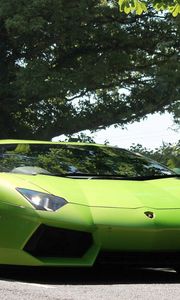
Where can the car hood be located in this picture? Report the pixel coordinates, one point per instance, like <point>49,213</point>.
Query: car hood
<point>158,193</point>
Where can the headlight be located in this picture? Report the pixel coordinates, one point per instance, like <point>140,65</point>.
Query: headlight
<point>42,201</point>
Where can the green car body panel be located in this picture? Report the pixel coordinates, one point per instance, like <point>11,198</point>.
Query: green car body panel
<point>113,212</point>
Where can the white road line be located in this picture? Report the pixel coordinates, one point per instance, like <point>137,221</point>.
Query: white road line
<point>31,284</point>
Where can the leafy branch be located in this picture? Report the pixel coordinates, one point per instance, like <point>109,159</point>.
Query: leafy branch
<point>138,6</point>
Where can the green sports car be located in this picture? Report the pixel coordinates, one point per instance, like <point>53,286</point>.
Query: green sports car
<point>77,204</point>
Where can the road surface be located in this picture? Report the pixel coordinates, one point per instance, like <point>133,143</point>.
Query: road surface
<point>88,284</point>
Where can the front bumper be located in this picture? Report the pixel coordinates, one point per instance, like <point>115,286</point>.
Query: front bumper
<point>80,236</point>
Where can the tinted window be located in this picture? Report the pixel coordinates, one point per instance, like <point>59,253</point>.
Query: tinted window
<point>84,159</point>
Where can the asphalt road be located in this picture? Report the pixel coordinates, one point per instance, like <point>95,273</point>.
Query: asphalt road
<point>88,284</point>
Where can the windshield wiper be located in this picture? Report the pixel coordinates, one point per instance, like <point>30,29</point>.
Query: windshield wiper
<point>153,177</point>
<point>84,175</point>
<point>110,177</point>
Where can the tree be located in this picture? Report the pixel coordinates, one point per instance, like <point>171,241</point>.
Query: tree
<point>139,7</point>
<point>168,154</point>
<point>72,65</point>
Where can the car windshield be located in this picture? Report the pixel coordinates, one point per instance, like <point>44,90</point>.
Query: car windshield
<point>66,159</point>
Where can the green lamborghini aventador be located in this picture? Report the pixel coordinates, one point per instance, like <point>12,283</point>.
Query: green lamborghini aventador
<point>77,204</point>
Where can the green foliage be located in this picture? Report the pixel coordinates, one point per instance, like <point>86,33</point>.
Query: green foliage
<point>67,66</point>
<point>167,154</point>
<point>80,137</point>
<point>138,6</point>
<point>10,162</point>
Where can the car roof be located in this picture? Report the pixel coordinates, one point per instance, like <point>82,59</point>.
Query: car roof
<point>16,141</point>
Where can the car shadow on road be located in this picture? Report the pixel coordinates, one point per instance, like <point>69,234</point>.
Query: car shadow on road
<point>88,276</point>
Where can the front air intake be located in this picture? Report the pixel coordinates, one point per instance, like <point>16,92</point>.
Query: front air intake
<point>49,241</point>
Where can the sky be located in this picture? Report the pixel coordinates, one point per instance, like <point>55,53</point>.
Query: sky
<point>150,133</point>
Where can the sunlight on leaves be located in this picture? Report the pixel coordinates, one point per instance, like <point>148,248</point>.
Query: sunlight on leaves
<point>138,7</point>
